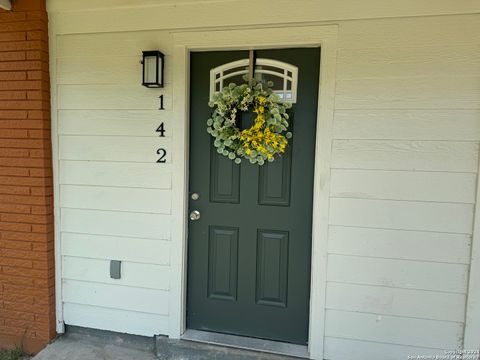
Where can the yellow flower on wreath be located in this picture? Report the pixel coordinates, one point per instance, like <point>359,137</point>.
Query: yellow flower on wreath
<point>256,137</point>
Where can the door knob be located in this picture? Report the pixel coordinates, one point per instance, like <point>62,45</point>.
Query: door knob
<point>195,215</point>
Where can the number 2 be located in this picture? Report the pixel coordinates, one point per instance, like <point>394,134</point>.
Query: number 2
<point>163,154</point>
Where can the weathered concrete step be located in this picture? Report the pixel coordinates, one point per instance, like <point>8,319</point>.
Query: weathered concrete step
<point>169,349</point>
<point>90,344</point>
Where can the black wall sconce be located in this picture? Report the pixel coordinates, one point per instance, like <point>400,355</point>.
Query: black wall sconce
<point>153,63</point>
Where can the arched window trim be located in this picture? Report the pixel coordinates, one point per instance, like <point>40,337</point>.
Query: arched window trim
<point>218,76</point>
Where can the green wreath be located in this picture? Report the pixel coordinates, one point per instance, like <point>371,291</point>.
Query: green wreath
<point>266,138</point>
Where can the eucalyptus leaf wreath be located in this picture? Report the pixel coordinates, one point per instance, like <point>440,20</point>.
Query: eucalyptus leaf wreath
<point>269,134</point>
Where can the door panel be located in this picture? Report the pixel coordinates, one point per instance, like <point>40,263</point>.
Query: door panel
<point>274,181</point>
<point>222,263</point>
<point>249,253</point>
<point>224,179</point>
<point>272,268</point>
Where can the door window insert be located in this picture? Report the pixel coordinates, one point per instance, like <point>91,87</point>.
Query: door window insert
<point>283,75</point>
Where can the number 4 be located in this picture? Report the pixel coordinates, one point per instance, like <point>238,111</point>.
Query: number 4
<point>161,130</point>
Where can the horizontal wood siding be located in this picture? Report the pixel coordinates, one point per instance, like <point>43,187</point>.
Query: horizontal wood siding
<point>403,215</point>
<point>411,155</point>
<point>133,274</point>
<point>403,187</point>
<point>393,329</point>
<point>385,300</point>
<point>112,122</point>
<point>115,199</point>
<point>446,125</point>
<point>113,45</point>
<point>116,296</point>
<point>88,70</point>
<point>400,244</point>
<point>348,349</point>
<point>122,174</point>
<point>148,251</point>
<point>116,223</point>
<point>404,167</point>
<point>405,61</point>
<point>112,148</point>
<point>411,92</point>
<point>407,274</point>
<point>105,318</point>
<point>182,14</point>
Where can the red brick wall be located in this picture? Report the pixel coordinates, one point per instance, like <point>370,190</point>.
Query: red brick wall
<point>27,298</point>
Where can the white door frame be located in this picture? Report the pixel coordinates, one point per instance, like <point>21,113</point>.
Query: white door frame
<point>184,42</point>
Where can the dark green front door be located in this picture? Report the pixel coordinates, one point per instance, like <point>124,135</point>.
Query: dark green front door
<point>249,253</point>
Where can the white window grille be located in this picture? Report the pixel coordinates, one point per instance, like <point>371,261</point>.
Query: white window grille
<point>283,75</point>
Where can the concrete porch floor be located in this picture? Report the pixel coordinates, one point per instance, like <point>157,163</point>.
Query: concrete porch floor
<point>89,344</point>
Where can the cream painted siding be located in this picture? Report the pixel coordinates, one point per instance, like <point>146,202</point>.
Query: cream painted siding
<point>404,169</point>
<point>404,174</point>
<point>115,200</point>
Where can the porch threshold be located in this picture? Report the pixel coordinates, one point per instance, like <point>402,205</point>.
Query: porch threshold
<point>246,343</point>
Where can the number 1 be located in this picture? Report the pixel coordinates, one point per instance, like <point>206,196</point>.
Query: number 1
<point>161,103</point>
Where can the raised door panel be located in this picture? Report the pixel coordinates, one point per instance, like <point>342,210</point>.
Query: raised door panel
<point>272,268</point>
<point>274,181</point>
<point>224,179</point>
<point>222,263</point>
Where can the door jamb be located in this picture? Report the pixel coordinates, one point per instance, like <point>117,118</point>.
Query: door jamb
<point>324,36</point>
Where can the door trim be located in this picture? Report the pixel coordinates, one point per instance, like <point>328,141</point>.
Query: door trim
<point>324,36</point>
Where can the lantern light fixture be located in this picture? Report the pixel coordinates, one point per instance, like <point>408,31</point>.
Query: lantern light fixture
<point>153,65</point>
<point>6,4</point>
